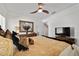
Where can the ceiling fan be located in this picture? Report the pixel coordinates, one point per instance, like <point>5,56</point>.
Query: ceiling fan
<point>40,9</point>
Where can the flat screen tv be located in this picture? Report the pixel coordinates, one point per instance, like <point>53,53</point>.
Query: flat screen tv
<point>63,31</point>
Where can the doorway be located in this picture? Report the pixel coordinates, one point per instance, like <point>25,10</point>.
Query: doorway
<point>45,29</point>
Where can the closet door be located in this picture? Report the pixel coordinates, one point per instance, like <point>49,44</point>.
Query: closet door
<point>2,22</point>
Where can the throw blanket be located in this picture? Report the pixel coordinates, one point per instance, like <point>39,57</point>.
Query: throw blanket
<point>44,47</point>
<point>6,47</point>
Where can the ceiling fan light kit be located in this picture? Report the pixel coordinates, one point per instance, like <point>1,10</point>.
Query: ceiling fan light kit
<point>40,10</point>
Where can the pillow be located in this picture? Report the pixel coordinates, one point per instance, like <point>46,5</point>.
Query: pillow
<point>16,42</point>
<point>14,37</point>
<point>24,41</point>
<point>31,41</point>
<point>8,34</point>
<point>2,32</point>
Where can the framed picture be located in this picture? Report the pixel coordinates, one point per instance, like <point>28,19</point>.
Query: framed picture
<point>26,24</point>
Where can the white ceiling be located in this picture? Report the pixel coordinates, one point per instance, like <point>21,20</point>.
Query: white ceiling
<point>12,10</point>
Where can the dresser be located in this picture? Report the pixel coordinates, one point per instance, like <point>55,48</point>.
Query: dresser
<point>66,39</point>
<point>63,38</point>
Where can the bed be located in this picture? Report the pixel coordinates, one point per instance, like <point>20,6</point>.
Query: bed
<point>44,47</point>
<point>6,47</point>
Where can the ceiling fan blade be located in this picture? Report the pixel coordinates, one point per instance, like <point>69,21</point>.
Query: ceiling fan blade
<point>40,4</point>
<point>34,12</point>
<point>45,11</point>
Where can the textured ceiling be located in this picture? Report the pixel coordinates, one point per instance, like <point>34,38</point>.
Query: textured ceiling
<point>21,10</point>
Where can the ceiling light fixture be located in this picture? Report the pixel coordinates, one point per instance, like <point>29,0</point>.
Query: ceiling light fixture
<point>40,10</point>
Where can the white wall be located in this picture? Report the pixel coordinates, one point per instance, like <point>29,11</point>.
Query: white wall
<point>66,18</point>
<point>12,22</point>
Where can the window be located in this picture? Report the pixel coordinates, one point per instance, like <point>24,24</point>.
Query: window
<point>2,22</point>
